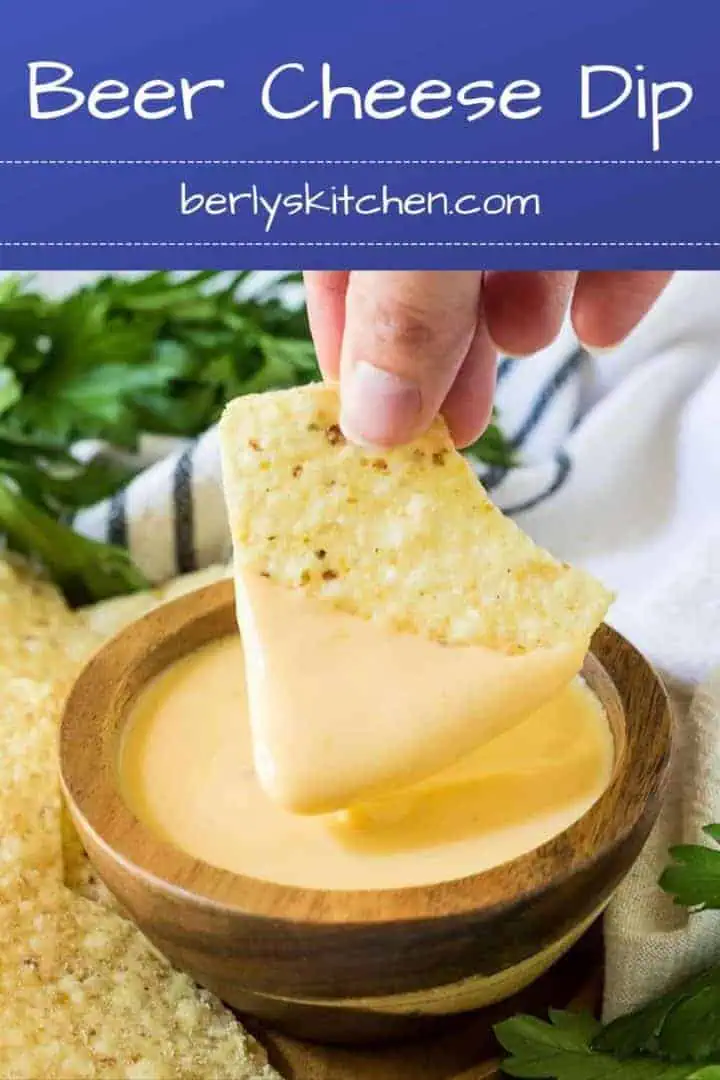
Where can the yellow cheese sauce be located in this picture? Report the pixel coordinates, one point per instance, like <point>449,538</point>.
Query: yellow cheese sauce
<point>187,771</point>
<point>344,709</point>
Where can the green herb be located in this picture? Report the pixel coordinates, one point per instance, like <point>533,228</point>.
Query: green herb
<point>493,447</point>
<point>154,354</point>
<point>681,1026</point>
<point>564,1050</point>
<point>120,358</point>
<point>675,1037</point>
<point>83,568</point>
<point>694,880</point>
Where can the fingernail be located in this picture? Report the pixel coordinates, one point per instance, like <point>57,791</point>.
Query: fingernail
<point>503,354</point>
<point>598,350</point>
<point>378,407</point>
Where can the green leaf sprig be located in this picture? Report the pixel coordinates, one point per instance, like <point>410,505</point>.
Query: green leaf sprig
<point>676,1037</point>
<point>694,877</point>
<point>563,1049</point>
<point>681,1026</point>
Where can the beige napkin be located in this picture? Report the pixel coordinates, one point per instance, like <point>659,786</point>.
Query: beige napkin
<point>650,942</point>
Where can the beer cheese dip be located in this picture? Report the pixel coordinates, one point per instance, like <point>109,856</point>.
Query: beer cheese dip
<point>187,772</point>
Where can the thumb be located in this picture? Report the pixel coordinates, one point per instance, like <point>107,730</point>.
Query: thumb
<point>406,336</point>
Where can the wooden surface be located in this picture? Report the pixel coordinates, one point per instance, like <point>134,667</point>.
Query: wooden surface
<point>466,1051</point>
<point>307,960</point>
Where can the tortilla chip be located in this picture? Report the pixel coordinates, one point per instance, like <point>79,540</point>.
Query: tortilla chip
<point>199,579</point>
<point>40,638</point>
<point>41,647</point>
<point>405,536</point>
<point>30,851</point>
<point>79,874</point>
<point>110,616</point>
<point>83,994</point>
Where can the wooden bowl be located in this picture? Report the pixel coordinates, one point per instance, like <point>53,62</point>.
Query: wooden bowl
<point>365,965</point>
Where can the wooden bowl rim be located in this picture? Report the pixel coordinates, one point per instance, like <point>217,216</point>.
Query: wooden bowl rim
<point>190,880</point>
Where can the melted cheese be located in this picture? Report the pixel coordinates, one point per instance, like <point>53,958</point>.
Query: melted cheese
<point>343,710</point>
<point>187,770</point>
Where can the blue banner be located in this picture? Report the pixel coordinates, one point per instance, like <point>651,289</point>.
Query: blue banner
<point>385,133</point>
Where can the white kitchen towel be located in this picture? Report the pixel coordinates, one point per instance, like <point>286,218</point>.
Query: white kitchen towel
<point>620,473</point>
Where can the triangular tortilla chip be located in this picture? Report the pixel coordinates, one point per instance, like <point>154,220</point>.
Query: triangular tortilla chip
<point>406,539</point>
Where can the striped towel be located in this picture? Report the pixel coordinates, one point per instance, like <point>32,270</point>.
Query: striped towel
<point>619,472</point>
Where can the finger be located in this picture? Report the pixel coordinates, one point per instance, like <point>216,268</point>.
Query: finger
<point>406,335</point>
<point>525,310</point>
<point>609,304</point>
<point>468,406</point>
<point>325,295</point>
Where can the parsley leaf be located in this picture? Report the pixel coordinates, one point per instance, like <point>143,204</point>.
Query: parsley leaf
<point>493,447</point>
<point>84,569</point>
<point>682,1025</point>
<point>10,389</point>
<point>694,880</point>
<point>563,1050</point>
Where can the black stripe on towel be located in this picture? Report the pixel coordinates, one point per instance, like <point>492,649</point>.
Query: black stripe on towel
<point>497,473</point>
<point>563,468</point>
<point>545,398</point>
<point>504,367</point>
<point>184,517</point>
<point>494,476</point>
<point>117,529</point>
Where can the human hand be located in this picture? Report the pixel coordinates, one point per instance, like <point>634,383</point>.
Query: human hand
<point>406,345</point>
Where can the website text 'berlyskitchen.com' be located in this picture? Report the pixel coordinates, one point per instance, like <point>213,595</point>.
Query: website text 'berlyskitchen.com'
<point>341,200</point>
